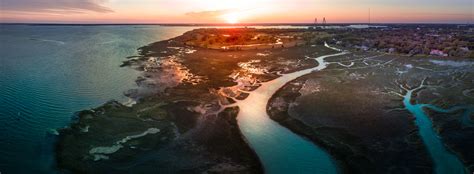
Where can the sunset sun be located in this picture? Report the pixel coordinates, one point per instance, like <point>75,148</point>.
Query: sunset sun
<point>231,18</point>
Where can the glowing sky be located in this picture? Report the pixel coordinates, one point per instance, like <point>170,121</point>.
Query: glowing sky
<point>236,11</point>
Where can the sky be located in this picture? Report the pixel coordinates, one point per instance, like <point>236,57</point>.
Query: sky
<point>236,11</point>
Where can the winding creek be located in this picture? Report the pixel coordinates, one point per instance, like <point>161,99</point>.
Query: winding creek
<point>444,160</point>
<point>279,149</point>
<point>34,103</point>
<point>282,151</point>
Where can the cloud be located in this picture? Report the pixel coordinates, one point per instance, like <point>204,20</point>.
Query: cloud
<point>54,6</point>
<point>209,14</point>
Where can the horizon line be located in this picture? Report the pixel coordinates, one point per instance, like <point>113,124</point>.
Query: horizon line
<point>237,24</point>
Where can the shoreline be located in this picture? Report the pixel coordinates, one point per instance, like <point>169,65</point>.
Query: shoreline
<point>178,94</point>
<point>204,101</point>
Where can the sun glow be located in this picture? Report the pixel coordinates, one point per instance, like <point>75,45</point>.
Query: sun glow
<point>229,11</point>
<point>231,18</point>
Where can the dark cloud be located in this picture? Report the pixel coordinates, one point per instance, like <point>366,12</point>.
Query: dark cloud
<point>54,6</point>
<point>208,14</point>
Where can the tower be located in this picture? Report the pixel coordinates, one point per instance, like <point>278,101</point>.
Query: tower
<point>369,16</point>
<point>315,21</point>
<point>324,20</point>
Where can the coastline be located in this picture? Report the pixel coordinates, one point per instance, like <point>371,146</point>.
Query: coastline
<point>194,95</point>
<point>181,93</point>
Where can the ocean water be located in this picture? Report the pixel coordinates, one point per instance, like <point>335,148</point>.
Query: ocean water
<point>49,72</point>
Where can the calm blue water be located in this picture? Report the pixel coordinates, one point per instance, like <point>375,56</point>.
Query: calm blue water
<point>279,149</point>
<point>445,161</point>
<point>49,72</point>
